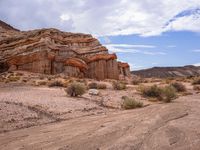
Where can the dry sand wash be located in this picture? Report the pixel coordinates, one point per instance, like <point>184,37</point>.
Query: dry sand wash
<point>161,126</point>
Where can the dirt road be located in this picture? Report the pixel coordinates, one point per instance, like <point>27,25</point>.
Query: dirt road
<point>156,127</point>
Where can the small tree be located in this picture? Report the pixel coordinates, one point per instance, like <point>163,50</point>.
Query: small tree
<point>76,89</point>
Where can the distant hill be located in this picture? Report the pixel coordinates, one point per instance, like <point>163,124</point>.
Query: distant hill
<point>164,72</point>
<point>7,26</point>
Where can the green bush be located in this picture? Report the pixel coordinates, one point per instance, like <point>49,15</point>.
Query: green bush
<point>76,89</point>
<point>179,86</point>
<point>130,103</point>
<point>168,94</point>
<point>119,86</point>
<point>136,81</point>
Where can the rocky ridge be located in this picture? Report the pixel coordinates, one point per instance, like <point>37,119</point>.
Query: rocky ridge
<point>50,51</point>
<point>164,72</point>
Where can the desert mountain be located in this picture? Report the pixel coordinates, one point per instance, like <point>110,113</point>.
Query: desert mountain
<point>51,51</point>
<point>163,72</point>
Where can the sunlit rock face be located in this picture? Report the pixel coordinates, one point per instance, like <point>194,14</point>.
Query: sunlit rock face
<point>50,51</point>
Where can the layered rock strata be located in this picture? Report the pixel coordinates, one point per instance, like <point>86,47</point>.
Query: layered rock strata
<point>50,51</point>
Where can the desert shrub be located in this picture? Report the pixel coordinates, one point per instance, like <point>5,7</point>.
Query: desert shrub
<point>41,82</point>
<point>136,81</point>
<point>101,86</point>
<point>152,91</point>
<point>196,87</point>
<point>168,94</point>
<point>165,94</point>
<point>119,86</point>
<point>130,103</point>
<point>196,81</point>
<point>13,78</point>
<point>76,89</point>
<point>179,86</point>
<point>92,85</point>
<point>55,83</point>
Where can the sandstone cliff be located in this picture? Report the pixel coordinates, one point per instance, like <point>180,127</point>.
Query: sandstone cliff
<point>50,51</point>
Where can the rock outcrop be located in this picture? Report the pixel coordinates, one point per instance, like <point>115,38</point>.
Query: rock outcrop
<point>50,51</point>
<point>164,72</point>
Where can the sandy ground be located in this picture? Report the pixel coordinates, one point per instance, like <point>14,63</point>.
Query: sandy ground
<point>164,127</point>
<point>25,106</point>
<point>45,118</point>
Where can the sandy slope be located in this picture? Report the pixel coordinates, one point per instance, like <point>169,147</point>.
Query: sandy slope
<point>161,126</point>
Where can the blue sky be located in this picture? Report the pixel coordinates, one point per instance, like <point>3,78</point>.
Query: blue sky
<point>144,33</point>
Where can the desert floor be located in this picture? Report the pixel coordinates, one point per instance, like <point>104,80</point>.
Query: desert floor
<point>45,118</point>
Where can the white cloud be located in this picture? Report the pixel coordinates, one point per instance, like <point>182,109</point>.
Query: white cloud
<point>126,48</point>
<point>131,46</point>
<point>196,50</point>
<point>102,18</point>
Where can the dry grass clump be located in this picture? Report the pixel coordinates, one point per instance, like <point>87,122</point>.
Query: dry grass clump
<point>130,103</point>
<point>196,81</point>
<point>56,83</point>
<point>94,85</point>
<point>76,89</point>
<point>119,85</point>
<point>165,94</point>
<point>168,94</point>
<point>178,86</point>
<point>13,78</point>
<point>101,86</point>
<point>137,81</point>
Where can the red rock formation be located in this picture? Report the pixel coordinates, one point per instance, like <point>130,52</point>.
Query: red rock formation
<point>51,51</point>
<point>124,69</point>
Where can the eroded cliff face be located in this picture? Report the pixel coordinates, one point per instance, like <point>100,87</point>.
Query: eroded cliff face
<point>50,51</point>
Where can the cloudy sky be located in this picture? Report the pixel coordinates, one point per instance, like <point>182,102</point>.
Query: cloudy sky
<point>145,33</point>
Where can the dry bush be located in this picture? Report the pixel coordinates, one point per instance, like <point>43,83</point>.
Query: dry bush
<point>196,81</point>
<point>165,94</point>
<point>151,91</point>
<point>92,85</point>
<point>13,78</point>
<point>40,82</point>
<point>76,89</point>
<point>118,85</point>
<point>168,94</point>
<point>179,86</point>
<point>56,83</point>
<point>136,81</point>
<point>130,103</point>
<point>101,86</point>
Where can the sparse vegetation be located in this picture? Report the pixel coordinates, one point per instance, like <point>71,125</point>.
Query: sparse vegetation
<point>165,94</point>
<point>130,103</point>
<point>168,94</point>
<point>56,83</point>
<point>136,81</point>
<point>179,86</point>
<point>92,85</point>
<point>76,89</point>
<point>118,85</point>
<point>151,91</point>
<point>101,86</point>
